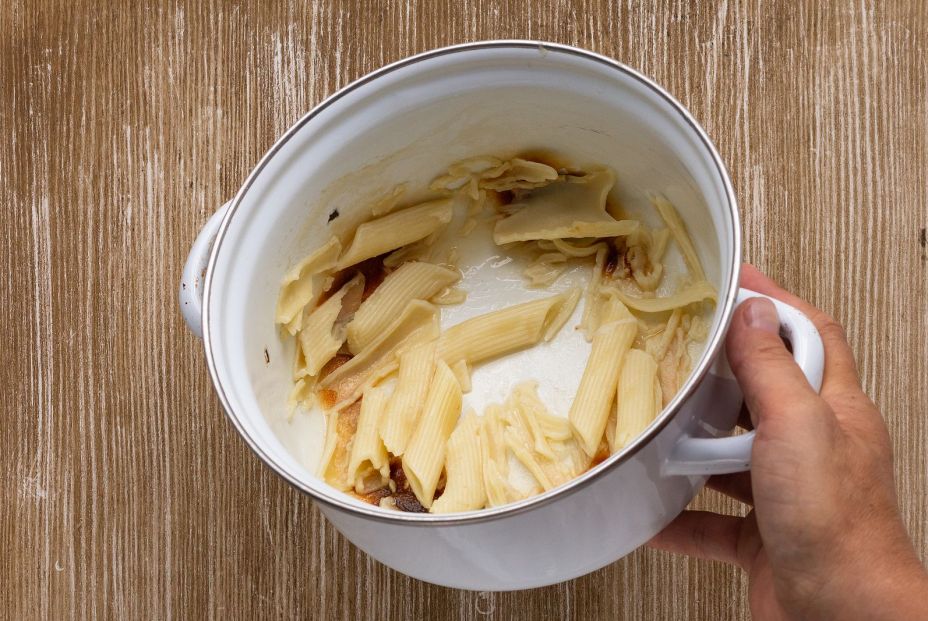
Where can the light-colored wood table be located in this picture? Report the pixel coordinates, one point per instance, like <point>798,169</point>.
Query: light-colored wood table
<point>128,495</point>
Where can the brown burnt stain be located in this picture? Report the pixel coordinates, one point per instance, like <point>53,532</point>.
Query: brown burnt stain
<point>267,356</point>
<point>327,397</point>
<point>374,497</point>
<point>612,259</point>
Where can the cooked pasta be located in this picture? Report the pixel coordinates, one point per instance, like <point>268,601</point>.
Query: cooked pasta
<point>301,285</point>
<point>465,490</point>
<point>425,456</point>
<point>591,406</point>
<point>637,397</point>
<point>397,229</point>
<point>319,337</point>
<point>415,280</point>
<point>399,417</point>
<point>506,330</point>
<point>375,351</point>
<point>369,465</point>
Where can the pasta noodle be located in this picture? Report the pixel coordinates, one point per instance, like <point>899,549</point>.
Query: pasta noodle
<point>417,323</point>
<point>319,338</point>
<point>397,229</point>
<point>590,409</point>
<point>678,229</point>
<point>506,330</point>
<point>697,292</point>
<point>425,455</point>
<point>412,281</point>
<point>402,412</point>
<point>369,467</point>
<point>575,207</point>
<point>636,404</point>
<point>464,490</point>
<point>301,285</point>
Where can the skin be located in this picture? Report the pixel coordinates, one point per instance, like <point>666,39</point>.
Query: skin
<point>824,539</point>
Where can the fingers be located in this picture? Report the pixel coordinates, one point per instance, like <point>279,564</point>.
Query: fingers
<point>770,379</point>
<point>840,367</point>
<point>737,485</point>
<point>701,534</point>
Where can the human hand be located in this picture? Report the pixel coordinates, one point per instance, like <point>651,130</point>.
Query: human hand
<point>825,539</point>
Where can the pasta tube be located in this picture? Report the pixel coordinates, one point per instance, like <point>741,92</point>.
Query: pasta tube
<point>425,455</point>
<point>399,418</point>
<point>593,401</point>
<point>369,466</point>
<point>397,229</point>
<point>301,284</point>
<point>412,281</point>
<point>635,397</point>
<point>506,330</point>
<point>464,490</point>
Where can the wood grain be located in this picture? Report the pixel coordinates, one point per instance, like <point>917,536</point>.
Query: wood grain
<point>128,495</point>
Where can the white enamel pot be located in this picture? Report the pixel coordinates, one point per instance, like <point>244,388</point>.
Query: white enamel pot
<point>407,122</point>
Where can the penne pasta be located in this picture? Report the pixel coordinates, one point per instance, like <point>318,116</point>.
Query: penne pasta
<point>672,218</point>
<point>593,401</point>
<point>302,284</point>
<point>416,324</point>
<point>575,207</point>
<point>415,280</point>
<point>635,394</point>
<point>464,489</point>
<point>425,455</point>
<point>319,338</point>
<point>341,426</point>
<point>506,330</point>
<point>697,292</point>
<point>397,229</point>
<point>369,466</point>
<point>401,414</point>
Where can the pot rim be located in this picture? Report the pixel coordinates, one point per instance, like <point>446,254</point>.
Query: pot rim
<point>483,515</point>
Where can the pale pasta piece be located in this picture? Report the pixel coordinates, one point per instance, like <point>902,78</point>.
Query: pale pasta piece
<point>319,338</point>
<point>425,455</point>
<point>461,371</point>
<point>669,331</point>
<point>369,465</point>
<point>495,459</point>
<point>397,229</point>
<point>341,426</point>
<point>521,174</point>
<point>635,394</point>
<point>593,401</point>
<point>302,284</point>
<point>545,269</point>
<point>301,395</point>
<point>417,323</point>
<point>590,317</point>
<point>464,489</point>
<point>412,281</point>
<point>573,250</point>
<point>575,207</point>
<point>504,331</point>
<point>389,202</point>
<point>669,213</point>
<point>696,292</point>
<point>449,296</point>
<point>610,430</point>
<point>399,418</point>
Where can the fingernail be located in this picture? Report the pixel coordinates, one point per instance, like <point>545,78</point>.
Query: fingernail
<point>761,314</point>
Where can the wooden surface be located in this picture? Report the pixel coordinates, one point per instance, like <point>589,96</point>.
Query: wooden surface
<point>128,495</point>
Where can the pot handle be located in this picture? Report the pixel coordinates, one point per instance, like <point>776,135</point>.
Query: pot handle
<point>191,281</point>
<point>705,456</point>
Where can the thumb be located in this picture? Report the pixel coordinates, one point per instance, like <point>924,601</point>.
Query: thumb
<point>772,383</point>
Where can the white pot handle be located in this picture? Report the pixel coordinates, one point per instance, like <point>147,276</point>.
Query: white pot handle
<point>704,456</point>
<point>191,282</point>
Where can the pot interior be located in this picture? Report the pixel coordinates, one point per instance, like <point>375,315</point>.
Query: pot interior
<point>406,125</point>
